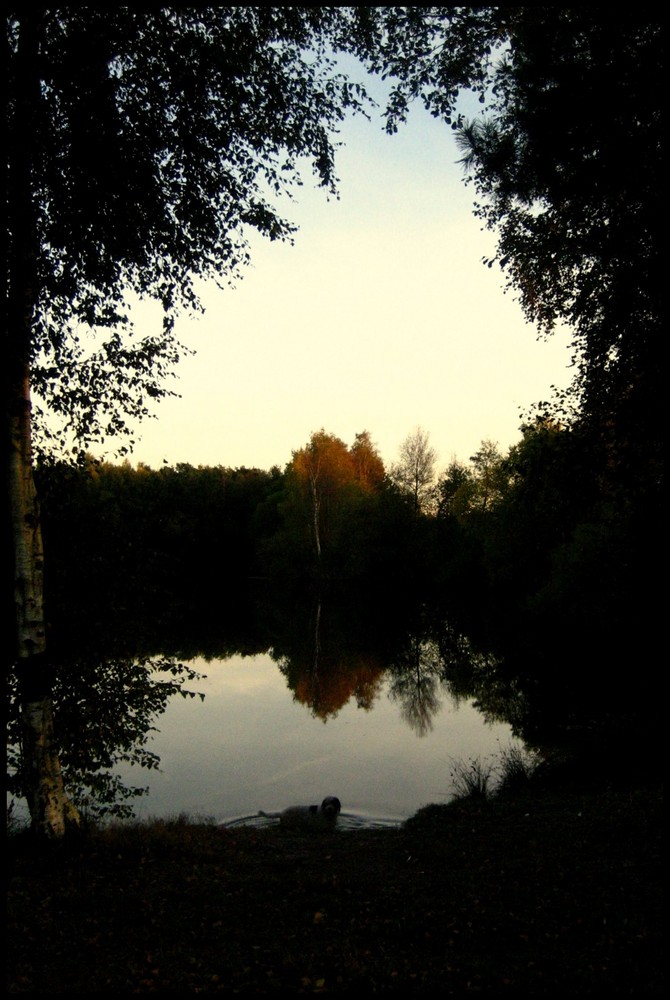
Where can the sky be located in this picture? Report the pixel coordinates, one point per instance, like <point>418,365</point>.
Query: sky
<point>381,317</point>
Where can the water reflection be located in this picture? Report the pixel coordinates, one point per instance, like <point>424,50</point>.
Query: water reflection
<point>251,746</point>
<point>417,674</point>
<point>360,696</point>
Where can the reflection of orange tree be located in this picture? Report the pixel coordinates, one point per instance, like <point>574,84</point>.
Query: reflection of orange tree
<point>323,666</point>
<point>335,682</point>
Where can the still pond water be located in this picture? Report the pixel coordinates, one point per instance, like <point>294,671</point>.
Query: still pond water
<point>251,746</point>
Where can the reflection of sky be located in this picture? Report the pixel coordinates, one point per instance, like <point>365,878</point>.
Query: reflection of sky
<point>250,746</point>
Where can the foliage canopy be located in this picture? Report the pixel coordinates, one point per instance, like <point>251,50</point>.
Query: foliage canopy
<point>145,146</point>
<point>566,159</point>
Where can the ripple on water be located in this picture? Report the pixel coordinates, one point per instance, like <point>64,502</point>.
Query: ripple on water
<point>346,821</point>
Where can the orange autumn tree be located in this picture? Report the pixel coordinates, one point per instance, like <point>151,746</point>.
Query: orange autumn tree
<point>326,479</point>
<point>336,683</point>
<point>323,471</point>
<point>368,466</point>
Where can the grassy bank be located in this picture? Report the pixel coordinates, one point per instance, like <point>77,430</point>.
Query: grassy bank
<point>554,891</point>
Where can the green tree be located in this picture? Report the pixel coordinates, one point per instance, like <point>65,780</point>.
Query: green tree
<point>566,162</point>
<point>455,490</point>
<point>490,475</point>
<point>144,145</point>
<point>111,725</point>
<point>566,158</point>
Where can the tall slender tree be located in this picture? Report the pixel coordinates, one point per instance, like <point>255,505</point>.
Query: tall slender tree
<point>323,470</point>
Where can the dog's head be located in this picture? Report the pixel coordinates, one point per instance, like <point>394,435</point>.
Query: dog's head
<point>330,807</point>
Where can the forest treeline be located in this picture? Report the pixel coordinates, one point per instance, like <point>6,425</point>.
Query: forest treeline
<point>548,541</point>
<point>516,579</point>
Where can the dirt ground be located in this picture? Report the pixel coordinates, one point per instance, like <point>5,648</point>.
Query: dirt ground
<point>554,894</point>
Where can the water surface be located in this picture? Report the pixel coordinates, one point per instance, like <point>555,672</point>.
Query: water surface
<point>251,746</point>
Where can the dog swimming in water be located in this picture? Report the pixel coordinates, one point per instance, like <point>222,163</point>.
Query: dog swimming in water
<point>321,817</point>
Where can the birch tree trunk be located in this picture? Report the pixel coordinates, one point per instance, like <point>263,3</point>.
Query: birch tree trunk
<point>316,509</point>
<point>50,810</point>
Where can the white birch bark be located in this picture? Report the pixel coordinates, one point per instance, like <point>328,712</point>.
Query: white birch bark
<point>50,810</point>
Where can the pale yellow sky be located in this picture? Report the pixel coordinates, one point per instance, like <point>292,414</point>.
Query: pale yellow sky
<point>381,317</point>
